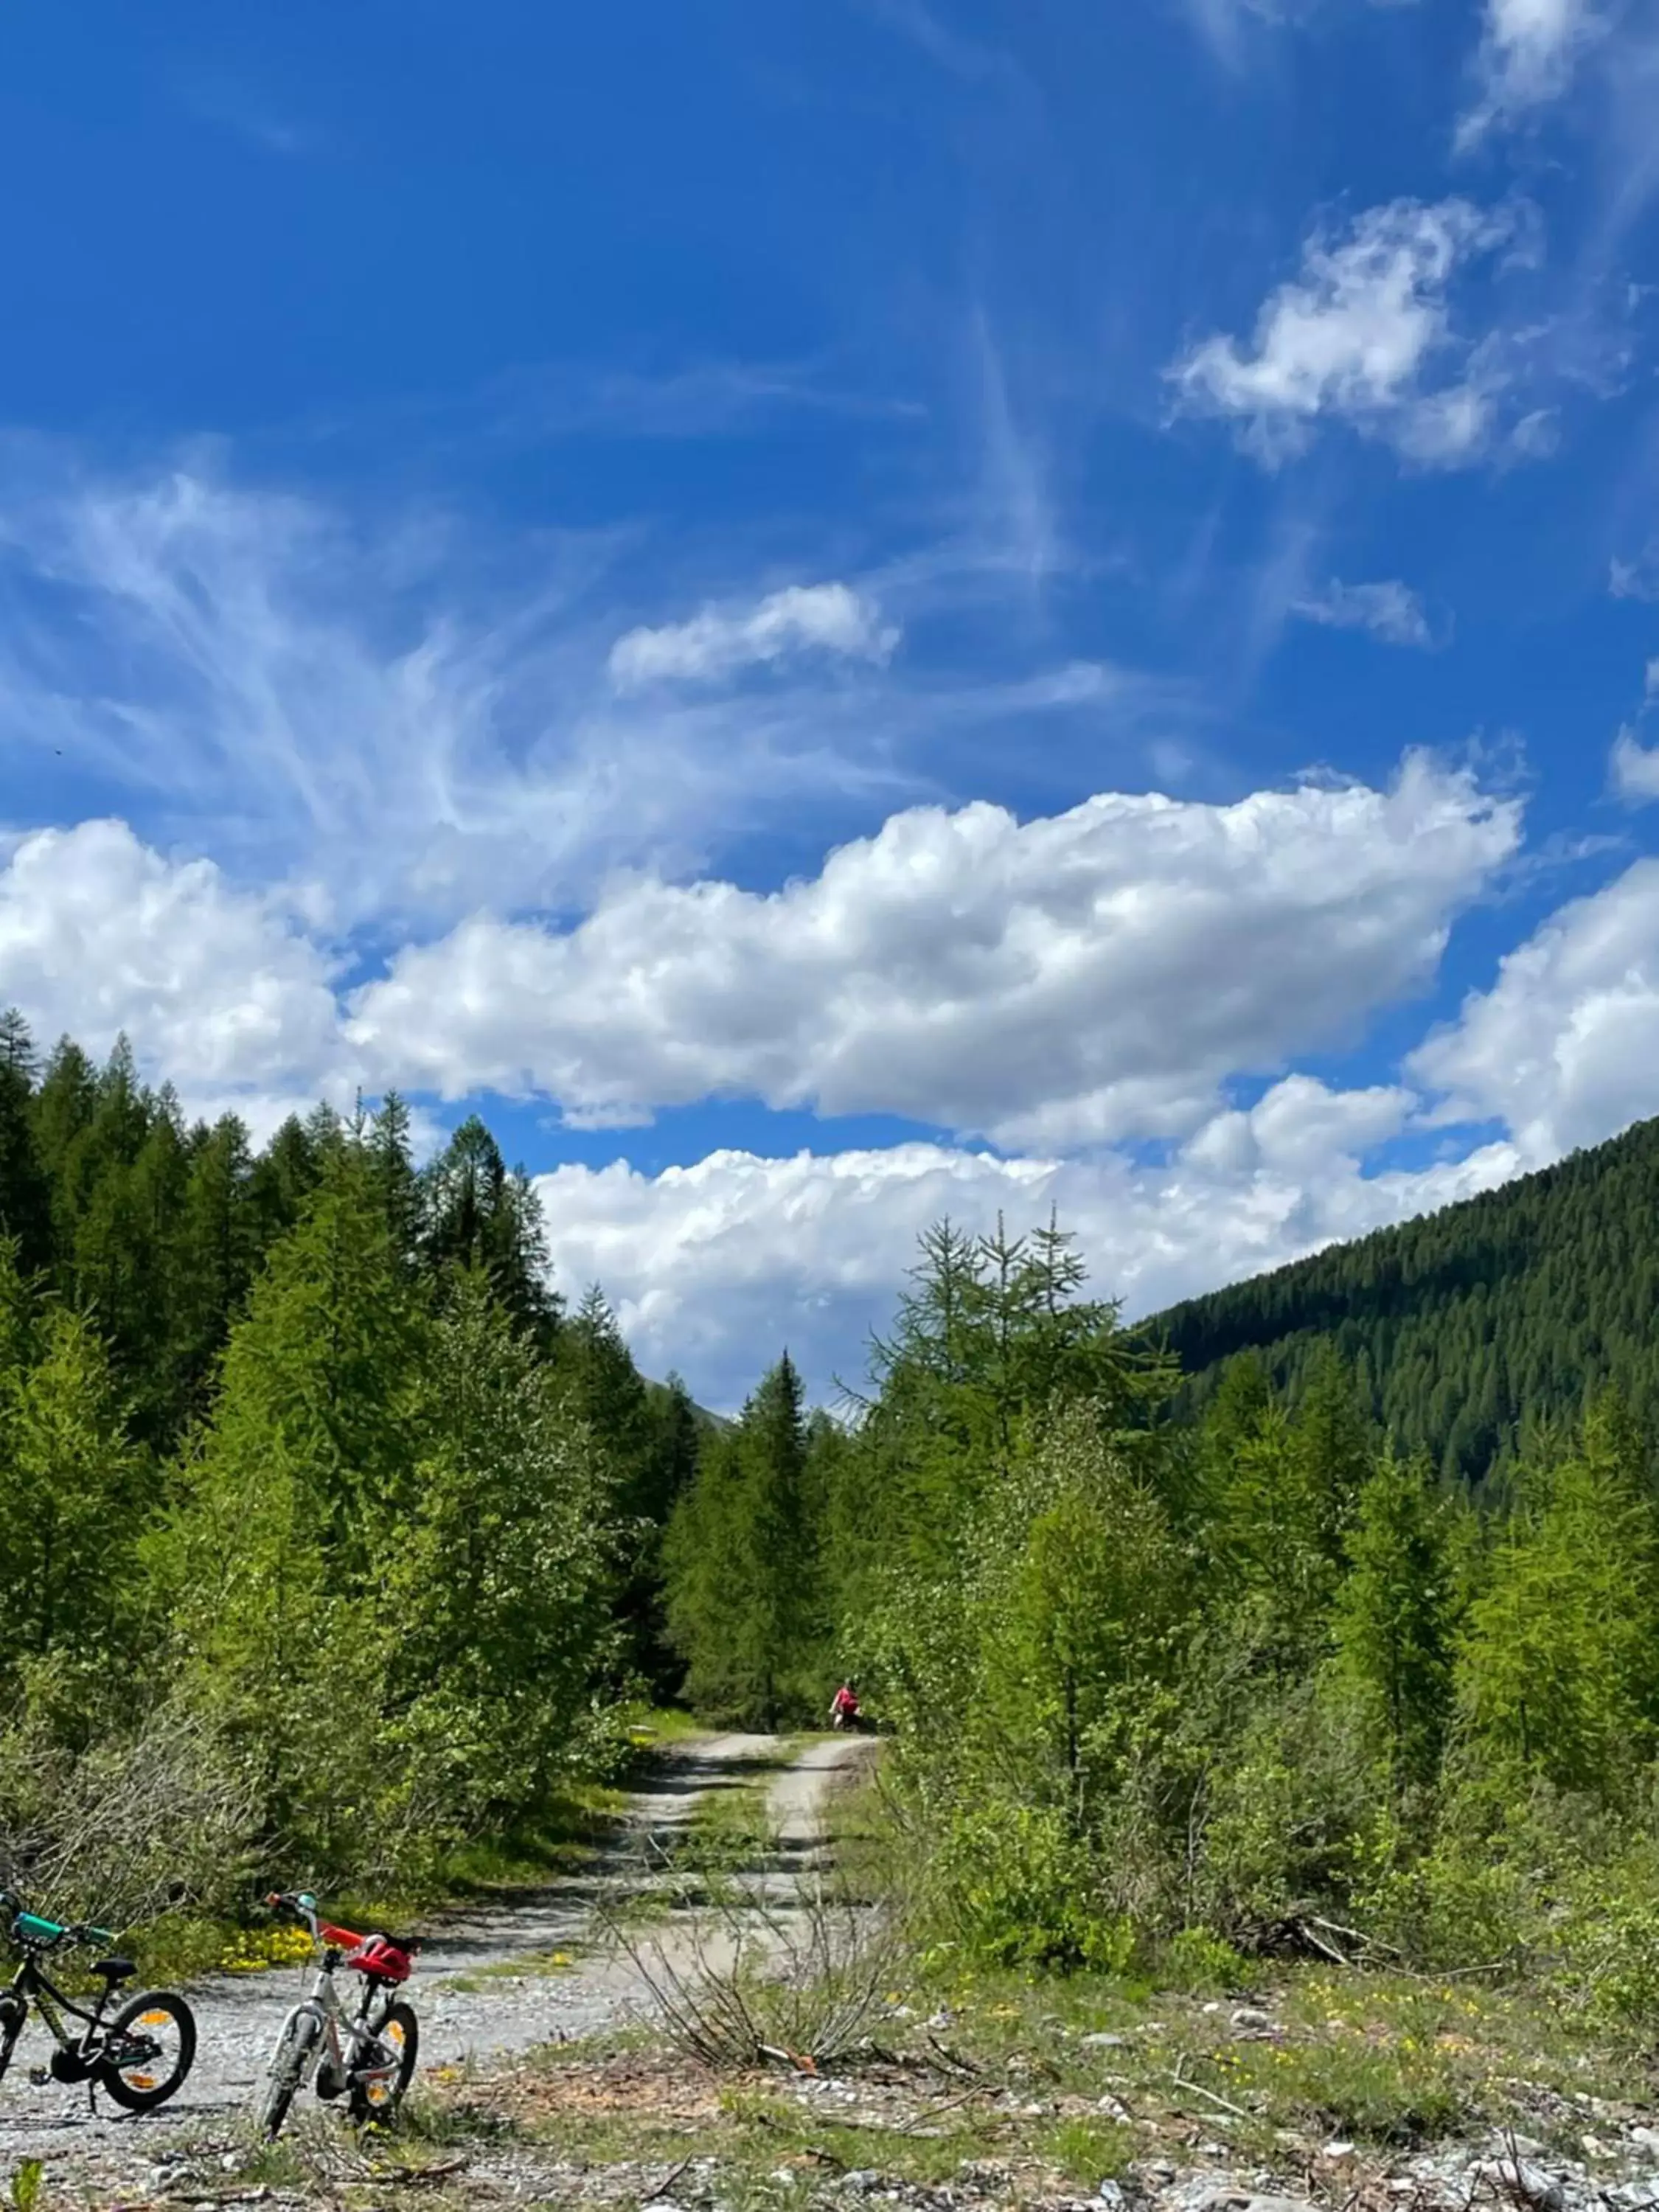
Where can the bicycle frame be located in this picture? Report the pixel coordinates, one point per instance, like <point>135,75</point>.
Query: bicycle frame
<point>31,1986</point>
<point>323,2006</point>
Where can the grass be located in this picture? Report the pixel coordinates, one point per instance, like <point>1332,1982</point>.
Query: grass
<point>650,1727</point>
<point>182,1947</point>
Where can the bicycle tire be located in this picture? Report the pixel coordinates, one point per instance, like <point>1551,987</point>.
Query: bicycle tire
<point>136,2086</point>
<point>299,2032</point>
<point>397,2031</point>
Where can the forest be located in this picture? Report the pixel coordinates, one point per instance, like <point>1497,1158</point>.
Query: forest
<point>1464,1327</point>
<point>337,1541</point>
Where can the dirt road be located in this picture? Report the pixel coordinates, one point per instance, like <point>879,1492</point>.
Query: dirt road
<point>487,1985</point>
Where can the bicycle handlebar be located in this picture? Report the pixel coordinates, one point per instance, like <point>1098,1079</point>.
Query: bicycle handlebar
<point>303,1906</point>
<point>33,1929</point>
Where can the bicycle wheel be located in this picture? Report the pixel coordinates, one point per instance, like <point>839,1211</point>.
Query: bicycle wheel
<point>288,2066</point>
<point>396,2040</point>
<point>149,2047</point>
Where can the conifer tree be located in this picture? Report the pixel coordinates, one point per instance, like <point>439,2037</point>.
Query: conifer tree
<point>25,1193</point>
<point>216,1241</point>
<point>70,1497</point>
<point>475,1213</point>
<point>1396,1618</point>
<point>743,1601</point>
<point>296,1496</point>
<point>1560,1670</point>
<point>501,1576</point>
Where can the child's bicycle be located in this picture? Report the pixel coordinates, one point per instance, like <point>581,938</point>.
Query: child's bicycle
<point>367,2057</point>
<point>141,2056</point>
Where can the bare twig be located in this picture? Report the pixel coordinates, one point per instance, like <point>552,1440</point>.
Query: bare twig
<point>1175,2075</point>
<point>666,2183</point>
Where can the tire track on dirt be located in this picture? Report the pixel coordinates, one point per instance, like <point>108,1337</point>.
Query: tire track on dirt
<point>485,1986</point>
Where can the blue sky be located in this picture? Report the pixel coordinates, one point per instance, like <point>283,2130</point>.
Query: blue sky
<point>848,610</point>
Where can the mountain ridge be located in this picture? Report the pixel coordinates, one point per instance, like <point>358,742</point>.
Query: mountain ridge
<point>1466,1326</point>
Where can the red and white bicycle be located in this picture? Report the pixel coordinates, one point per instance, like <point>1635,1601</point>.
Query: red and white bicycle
<point>367,2057</point>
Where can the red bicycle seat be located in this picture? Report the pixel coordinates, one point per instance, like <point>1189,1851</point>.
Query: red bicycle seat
<point>379,1956</point>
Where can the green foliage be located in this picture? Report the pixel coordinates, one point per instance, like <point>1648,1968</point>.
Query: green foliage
<point>313,1532</point>
<point>23,2192</point>
<point>498,1579</point>
<point>742,1572</point>
<point>1472,1331</point>
<point>1396,1616</point>
<point>1562,1664</point>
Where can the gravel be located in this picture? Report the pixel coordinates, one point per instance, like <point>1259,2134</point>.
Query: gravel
<point>520,2001</point>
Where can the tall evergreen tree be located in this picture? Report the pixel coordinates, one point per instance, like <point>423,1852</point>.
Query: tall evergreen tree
<point>71,1502</point>
<point>25,1193</point>
<point>742,1605</point>
<point>1396,1615</point>
<point>475,1214</point>
<point>1560,1670</point>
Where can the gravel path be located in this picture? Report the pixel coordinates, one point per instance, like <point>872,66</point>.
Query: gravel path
<point>486,1984</point>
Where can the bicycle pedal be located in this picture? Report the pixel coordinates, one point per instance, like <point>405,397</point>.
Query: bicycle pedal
<point>39,2078</point>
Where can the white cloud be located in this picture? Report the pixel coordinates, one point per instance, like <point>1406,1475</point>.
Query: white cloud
<point>1391,612</point>
<point>1637,579</point>
<point>1364,336</point>
<point>1634,769</point>
<point>826,618</point>
<point>1565,1047</point>
<point>1528,51</point>
<point>218,991</point>
<point>1074,979</point>
<point>377,715</point>
<point>714,1267</point>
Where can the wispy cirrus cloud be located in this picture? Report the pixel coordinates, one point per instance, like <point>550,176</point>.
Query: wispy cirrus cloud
<point>236,106</point>
<point>1529,51</point>
<point>375,711</point>
<point>1390,611</point>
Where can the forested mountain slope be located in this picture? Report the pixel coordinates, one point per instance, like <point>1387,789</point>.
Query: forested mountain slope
<point>1464,1325</point>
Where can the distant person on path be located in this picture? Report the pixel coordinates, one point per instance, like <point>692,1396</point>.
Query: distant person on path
<point>844,1706</point>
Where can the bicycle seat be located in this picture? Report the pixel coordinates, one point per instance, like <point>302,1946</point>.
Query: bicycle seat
<point>114,1970</point>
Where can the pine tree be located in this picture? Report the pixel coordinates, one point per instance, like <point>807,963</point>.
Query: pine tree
<point>1396,1615</point>
<point>284,1177</point>
<point>501,1577</point>
<point>302,1478</point>
<point>391,1170</point>
<point>1077,1627</point>
<point>475,1214</point>
<point>743,1601</point>
<point>25,1193</point>
<point>216,1243</point>
<point>1560,1670</point>
<point>71,1497</point>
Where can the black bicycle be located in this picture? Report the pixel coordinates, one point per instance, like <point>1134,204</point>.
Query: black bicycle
<point>140,2055</point>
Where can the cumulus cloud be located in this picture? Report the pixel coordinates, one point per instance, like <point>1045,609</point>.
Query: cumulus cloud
<point>218,990</point>
<point>1079,978</point>
<point>1364,335</point>
<point>1634,769</point>
<point>1565,1047</point>
<point>824,617</point>
<point>1391,612</point>
<point>714,1267</point>
<point>1527,52</point>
